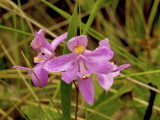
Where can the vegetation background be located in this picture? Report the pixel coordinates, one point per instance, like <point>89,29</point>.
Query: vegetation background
<point>133,27</point>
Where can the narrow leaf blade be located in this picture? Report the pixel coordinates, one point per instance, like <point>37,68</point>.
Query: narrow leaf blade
<point>66,89</point>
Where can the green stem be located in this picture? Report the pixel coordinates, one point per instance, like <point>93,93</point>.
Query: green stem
<point>23,29</point>
<point>16,30</point>
<point>152,14</point>
<point>45,91</point>
<point>138,74</point>
<point>16,39</point>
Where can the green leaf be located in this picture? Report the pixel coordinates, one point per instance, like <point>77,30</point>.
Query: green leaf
<point>121,91</point>
<point>61,12</point>
<point>16,30</point>
<point>66,89</point>
<point>109,102</point>
<point>91,17</point>
<point>34,112</point>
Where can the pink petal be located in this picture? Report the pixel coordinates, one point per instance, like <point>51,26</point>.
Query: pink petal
<point>42,75</point>
<point>76,41</point>
<point>70,74</point>
<point>87,89</point>
<point>114,74</point>
<point>22,68</point>
<point>61,63</point>
<point>100,54</point>
<point>40,41</point>
<point>99,67</point>
<point>105,80</point>
<point>58,40</point>
<point>121,67</point>
<point>40,72</point>
<point>104,43</point>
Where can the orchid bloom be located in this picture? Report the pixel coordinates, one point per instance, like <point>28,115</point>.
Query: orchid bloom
<point>106,80</point>
<point>81,63</point>
<point>46,52</point>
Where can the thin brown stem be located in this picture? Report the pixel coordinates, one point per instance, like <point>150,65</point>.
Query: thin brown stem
<point>76,101</point>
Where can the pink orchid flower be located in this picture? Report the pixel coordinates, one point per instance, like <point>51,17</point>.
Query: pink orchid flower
<point>81,63</point>
<point>46,52</point>
<point>106,80</point>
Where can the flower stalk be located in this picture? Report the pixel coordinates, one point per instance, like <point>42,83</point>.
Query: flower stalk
<point>76,111</point>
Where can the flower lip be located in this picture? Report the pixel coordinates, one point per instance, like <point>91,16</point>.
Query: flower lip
<point>79,49</point>
<point>40,42</point>
<point>78,43</point>
<point>37,42</point>
<point>38,45</point>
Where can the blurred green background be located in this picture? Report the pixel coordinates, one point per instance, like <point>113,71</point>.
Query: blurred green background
<point>133,27</point>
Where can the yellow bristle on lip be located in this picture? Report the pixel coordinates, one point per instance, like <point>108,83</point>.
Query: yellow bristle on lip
<point>38,59</point>
<point>79,49</point>
<point>39,44</point>
<point>36,44</point>
<point>85,77</point>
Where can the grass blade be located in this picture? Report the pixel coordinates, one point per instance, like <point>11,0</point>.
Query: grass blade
<point>66,89</point>
<point>91,17</point>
